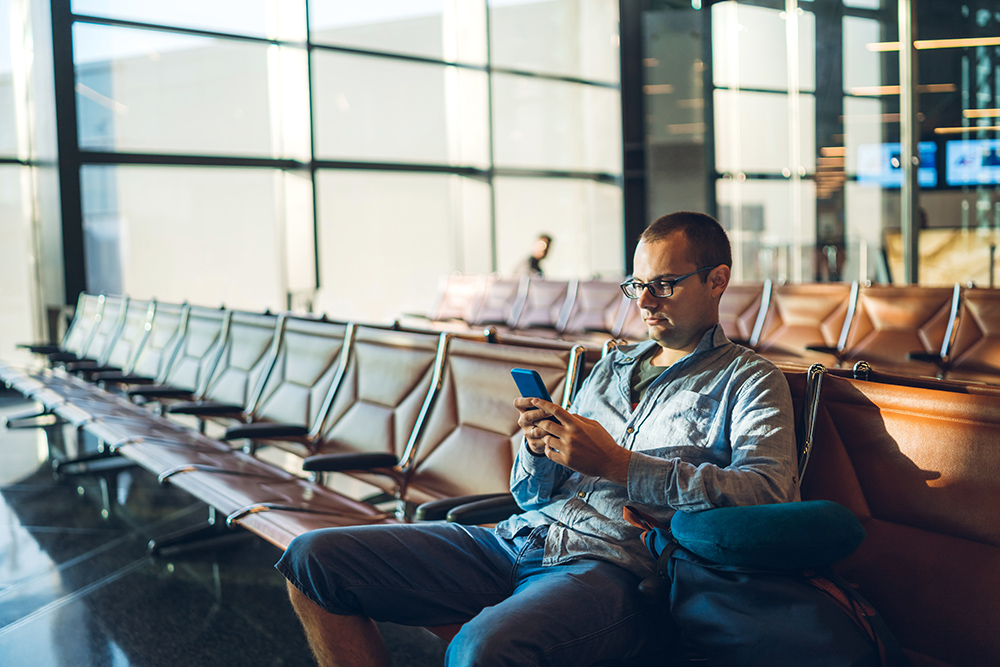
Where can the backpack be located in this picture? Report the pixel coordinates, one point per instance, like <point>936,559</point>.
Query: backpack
<point>752,586</point>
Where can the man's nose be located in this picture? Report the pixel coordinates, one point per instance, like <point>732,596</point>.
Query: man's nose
<point>646,300</point>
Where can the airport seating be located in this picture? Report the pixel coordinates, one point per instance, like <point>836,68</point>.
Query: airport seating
<point>78,334</point>
<point>894,327</point>
<point>974,354</point>
<point>804,323</point>
<point>917,462</point>
<point>740,310</point>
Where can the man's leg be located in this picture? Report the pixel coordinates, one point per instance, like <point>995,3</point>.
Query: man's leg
<point>338,641</point>
<point>579,613</point>
<point>415,574</point>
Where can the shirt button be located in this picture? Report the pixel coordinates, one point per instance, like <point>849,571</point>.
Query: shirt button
<point>581,494</point>
<point>630,430</point>
<point>628,360</point>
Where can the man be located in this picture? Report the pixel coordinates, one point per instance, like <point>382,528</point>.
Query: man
<point>685,421</point>
<point>533,264</point>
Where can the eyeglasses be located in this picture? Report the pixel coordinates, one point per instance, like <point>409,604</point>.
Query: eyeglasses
<point>660,288</point>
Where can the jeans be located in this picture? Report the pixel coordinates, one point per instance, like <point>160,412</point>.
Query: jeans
<point>515,611</point>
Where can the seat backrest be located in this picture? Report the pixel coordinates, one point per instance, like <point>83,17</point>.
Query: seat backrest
<point>242,359</point>
<point>304,365</point>
<point>920,468</point>
<point>892,321</point>
<point>193,359</point>
<point>131,335</point>
<point>739,308</point>
<point>85,320</point>
<point>467,441</point>
<point>630,326</point>
<point>458,297</point>
<point>500,299</point>
<point>594,308</point>
<point>109,321</point>
<point>544,304</point>
<point>801,315</point>
<point>975,353</point>
<point>164,332</point>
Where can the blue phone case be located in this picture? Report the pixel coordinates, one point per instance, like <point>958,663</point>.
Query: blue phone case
<point>530,384</point>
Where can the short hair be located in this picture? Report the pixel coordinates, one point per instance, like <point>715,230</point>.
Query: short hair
<point>707,237</point>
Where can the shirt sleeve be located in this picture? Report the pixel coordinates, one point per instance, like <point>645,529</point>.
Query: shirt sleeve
<point>535,480</point>
<point>763,468</point>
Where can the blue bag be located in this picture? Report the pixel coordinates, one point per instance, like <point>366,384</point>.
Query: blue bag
<point>752,586</point>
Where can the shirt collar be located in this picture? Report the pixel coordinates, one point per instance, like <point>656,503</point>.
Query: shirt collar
<point>712,339</point>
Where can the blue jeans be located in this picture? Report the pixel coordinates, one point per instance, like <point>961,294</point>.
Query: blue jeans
<point>516,612</point>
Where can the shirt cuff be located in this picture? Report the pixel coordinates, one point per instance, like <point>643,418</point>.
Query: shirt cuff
<point>532,452</point>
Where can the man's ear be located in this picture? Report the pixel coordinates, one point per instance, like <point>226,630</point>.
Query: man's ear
<point>718,279</point>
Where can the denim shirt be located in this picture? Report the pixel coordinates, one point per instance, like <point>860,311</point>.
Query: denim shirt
<point>714,430</point>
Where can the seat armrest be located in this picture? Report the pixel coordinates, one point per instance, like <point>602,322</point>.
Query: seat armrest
<point>63,356</point>
<point>45,348</point>
<point>160,391</point>
<point>122,378</point>
<point>86,365</point>
<point>265,430</point>
<point>824,349</point>
<point>931,357</point>
<point>205,409</point>
<point>352,461</point>
<point>468,510</point>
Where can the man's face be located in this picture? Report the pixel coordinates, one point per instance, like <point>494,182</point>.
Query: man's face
<point>679,321</point>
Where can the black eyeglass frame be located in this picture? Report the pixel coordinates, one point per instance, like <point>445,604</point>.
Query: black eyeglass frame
<point>664,284</point>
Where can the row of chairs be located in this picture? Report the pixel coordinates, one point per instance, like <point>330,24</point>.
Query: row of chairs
<point>410,416</point>
<point>946,332</point>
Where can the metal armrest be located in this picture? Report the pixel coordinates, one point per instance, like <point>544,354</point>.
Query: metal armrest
<point>468,510</point>
<point>205,409</point>
<point>160,391</point>
<point>122,378</point>
<point>931,357</point>
<point>44,348</point>
<point>64,356</point>
<point>87,365</point>
<point>265,430</point>
<point>342,462</point>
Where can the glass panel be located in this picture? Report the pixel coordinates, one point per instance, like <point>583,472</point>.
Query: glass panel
<point>753,132</point>
<point>381,256</point>
<point>208,235</point>
<point>673,75</point>
<point>8,108</point>
<point>258,18</point>
<point>863,66</point>
<point>418,112</point>
<point>750,47</point>
<point>577,38</point>
<point>584,219</point>
<point>772,228</point>
<point>445,30</point>
<point>546,124</point>
<point>149,91</point>
<point>16,262</point>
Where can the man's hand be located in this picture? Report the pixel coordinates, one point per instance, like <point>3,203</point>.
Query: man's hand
<point>576,442</point>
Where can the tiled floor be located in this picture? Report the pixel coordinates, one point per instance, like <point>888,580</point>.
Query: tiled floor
<point>80,590</point>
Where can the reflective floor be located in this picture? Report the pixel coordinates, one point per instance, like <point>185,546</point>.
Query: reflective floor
<point>79,589</point>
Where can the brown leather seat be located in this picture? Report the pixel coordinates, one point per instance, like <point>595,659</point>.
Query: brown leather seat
<point>801,316</point>
<point>890,322</point>
<point>920,468</point>
<point>975,354</point>
<point>739,309</point>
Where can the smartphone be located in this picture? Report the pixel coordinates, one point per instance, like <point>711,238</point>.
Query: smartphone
<point>530,384</point>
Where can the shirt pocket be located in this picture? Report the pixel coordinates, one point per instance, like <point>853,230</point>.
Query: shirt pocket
<point>684,419</point>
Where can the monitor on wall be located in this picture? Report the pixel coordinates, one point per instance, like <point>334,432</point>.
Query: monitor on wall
<point>972,162</point>
<point>881,164</point>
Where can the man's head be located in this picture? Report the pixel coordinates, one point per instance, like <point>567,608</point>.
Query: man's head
<point>541,247</point>
<point>686,255</point>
